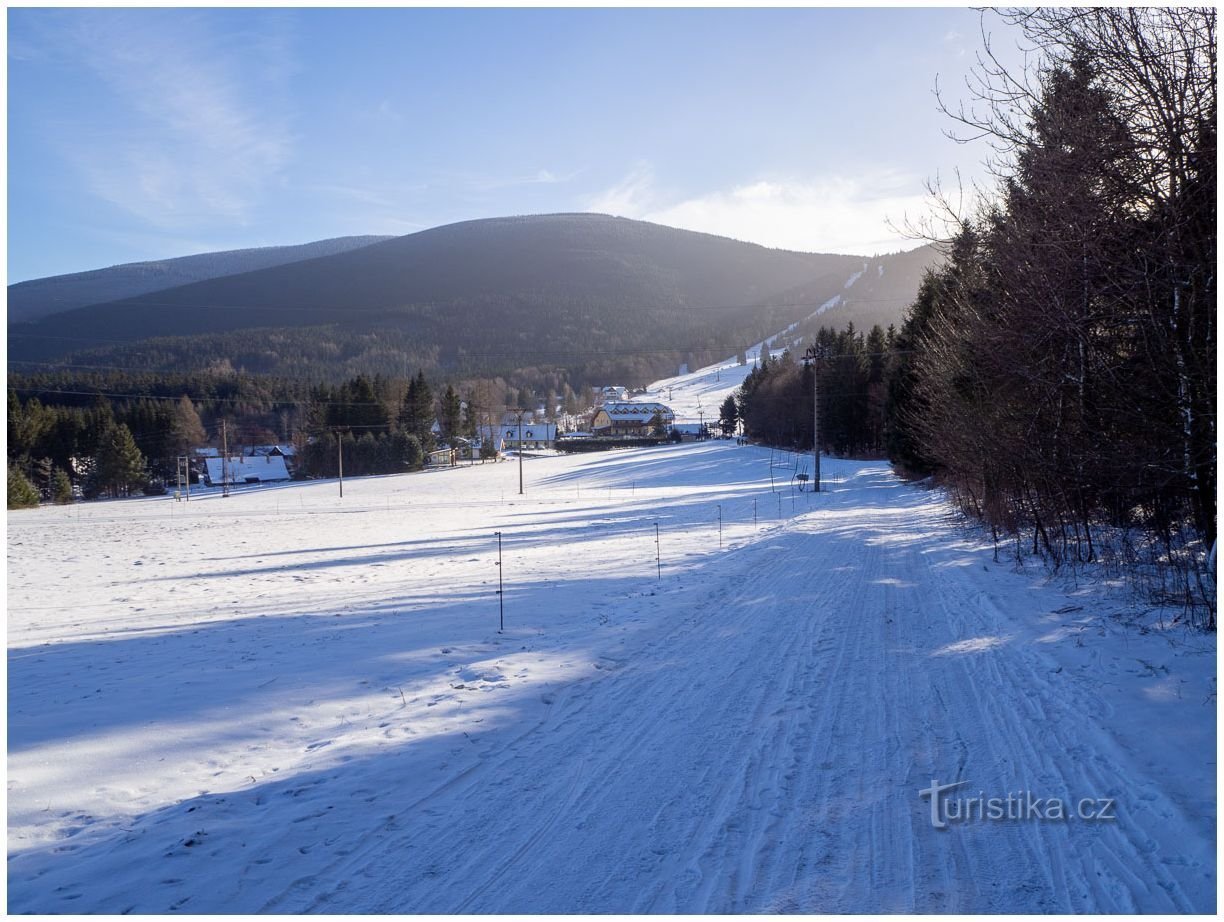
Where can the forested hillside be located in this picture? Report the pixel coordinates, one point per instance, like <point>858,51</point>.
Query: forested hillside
<point>602,297</point>
<point>39,298</point>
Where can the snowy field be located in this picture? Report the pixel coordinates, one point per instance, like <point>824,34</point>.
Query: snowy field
<point>284,701</point>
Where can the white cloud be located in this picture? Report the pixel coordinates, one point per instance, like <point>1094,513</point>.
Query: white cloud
<point>831,215</point>
<point>203,134</point>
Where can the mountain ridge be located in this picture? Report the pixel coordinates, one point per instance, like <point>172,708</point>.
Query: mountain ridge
<point>41,297</point>
<point>519,288</point>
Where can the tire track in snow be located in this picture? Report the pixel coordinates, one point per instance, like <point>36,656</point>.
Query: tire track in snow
<point>765,753</point>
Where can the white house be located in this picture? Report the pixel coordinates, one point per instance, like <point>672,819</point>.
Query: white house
<point>611,393</point>
<point>266,469</point>
<point>536,435</point>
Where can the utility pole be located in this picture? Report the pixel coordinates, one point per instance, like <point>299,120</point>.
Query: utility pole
<point>224,459</point>
<point>340,460</point>
<point>812,360</point>
<point>520,448</point>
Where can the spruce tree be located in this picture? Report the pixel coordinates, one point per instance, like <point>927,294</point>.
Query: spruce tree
<point>728,415</point>
<point>21,492</point>
<point>61,487</point>
<point>120,467</point>
<point>451,415</point>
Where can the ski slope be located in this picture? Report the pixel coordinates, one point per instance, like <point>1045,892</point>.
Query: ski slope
<point>282,701</point>
<point>697,396</point>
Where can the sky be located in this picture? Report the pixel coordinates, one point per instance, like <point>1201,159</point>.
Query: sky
<point>137,134</point>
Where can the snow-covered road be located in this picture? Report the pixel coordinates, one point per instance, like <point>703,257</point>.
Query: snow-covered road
<point>749,733</point>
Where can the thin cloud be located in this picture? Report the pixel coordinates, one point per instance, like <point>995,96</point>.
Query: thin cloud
<point>205,135</point>
<point>632,197</point>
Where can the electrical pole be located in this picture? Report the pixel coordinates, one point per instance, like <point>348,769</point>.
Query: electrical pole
<point>520,448</point>
<point>812,359</point>
<point>224,459</point>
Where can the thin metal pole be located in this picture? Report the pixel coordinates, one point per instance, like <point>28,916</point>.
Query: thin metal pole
<point>501,596</point>
<point>720,526</point>
<point>340,460</point>
<point>658,553</point>
<point>754,515</point>
<point>224,459</point>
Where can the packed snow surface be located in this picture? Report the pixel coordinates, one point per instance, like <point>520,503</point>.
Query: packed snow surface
<point>285,701</point>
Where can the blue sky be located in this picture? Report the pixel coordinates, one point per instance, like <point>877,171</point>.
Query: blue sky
<point>143,134</point>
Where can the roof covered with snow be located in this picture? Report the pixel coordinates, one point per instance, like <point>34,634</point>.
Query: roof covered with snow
<point>246,470</point>
<point>625,410</point>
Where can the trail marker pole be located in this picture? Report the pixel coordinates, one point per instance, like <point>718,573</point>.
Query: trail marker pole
<point>720,526</point>
<point>658,554</point>
<point>779,496</point>
<point>501,596</point>
<point>754,515</point>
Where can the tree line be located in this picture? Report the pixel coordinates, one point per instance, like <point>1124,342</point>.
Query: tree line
<point>775,404</point>
<point>118,434</point>
<point>1057,372</point>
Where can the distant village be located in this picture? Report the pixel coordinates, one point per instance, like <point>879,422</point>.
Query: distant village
<point>615,420</point>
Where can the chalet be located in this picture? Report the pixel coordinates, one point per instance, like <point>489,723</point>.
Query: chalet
<point>611,394</point>
<point>266,469</point>
<point>627,418</point>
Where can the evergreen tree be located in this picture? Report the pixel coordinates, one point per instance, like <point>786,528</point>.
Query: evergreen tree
<point>450,417</point>
<point>61,487</point>
<point>417,413</point>
<point>119,466</point>
<point>21,492</point>
<point>728,415</point>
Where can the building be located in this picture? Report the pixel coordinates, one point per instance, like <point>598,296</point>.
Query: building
<point>284,450</point>
<point>611,394</point>
<point>266,469</point>
<point>627,418</point>
<point>537,434</point>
